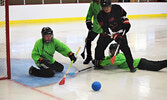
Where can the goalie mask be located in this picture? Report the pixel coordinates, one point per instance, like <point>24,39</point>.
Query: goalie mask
<point>47,34</point>
<point>113,48</point>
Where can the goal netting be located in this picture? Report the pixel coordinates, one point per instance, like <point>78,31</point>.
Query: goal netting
<point>4,40</point>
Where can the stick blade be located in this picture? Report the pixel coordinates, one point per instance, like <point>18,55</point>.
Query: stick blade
<point>72,74</point>
<point>62,82</point>
<point>113,60</point>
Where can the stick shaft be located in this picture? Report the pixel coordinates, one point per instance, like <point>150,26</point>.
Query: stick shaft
<point>85,69</point>
<point>78,51</point>
<point>117,49</point>
<point>118,45</point>
<point>71,63</point>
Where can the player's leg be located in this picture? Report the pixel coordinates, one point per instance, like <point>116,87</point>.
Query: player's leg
<point>42,72</point>
<point>152,65</point>
<point>162,63</point>
<point>91,36</point>
<point>127,52</point>
<point>102,44</point>
<point>58,67</point>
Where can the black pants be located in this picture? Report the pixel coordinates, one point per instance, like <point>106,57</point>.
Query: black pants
<point>48,72</point>
<point>145,64</point>
<point>102,43</point>
<point>91,36</point>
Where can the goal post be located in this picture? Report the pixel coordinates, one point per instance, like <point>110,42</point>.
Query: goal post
<point>5,72</point>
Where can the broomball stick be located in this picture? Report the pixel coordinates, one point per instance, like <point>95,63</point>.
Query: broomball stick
<point>113,58</point>
<point>74,73</point>
<point>62,82</point>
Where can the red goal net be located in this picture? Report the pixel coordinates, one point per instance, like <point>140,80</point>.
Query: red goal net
<point>4,40</point>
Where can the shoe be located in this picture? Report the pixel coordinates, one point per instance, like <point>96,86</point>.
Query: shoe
<point>98,67</point>
<point>87,60</point>
<point>133,70</point>
<point>31,69</point>
<point>97,64</point>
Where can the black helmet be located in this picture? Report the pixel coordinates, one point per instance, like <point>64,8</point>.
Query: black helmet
<point>105,3</point>
<point>113,46</point>
<point>45,31</point>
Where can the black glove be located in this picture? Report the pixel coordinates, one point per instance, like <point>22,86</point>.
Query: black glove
<point>118,37</point>
<point>126,25</point>
<point>89,25</point>
<point>44,63</point>
<point>72,57</point>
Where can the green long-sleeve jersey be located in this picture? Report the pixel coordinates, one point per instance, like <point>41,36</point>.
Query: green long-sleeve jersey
<point>94,9</point>
<point>120,61</point>
<point>47,51</point>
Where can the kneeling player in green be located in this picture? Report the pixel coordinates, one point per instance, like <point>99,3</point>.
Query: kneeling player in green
<point>140,63</point>
<point>42,55</point>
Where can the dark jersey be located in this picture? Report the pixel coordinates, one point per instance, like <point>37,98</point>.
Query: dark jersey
<point>112,20</point>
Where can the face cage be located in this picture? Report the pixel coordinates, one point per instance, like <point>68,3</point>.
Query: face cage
<point>109,52</point>
<point>47,41</point>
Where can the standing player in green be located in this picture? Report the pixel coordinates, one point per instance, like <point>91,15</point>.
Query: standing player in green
<point>43,52</point>
<point>94,29</point>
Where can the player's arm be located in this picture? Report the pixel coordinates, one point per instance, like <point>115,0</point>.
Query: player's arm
<point>89,17</point>
<point>106,61</point>
<point>36,52</point>
<point>64,50</point>
<point>36,55</point>
<point>120,58</point>
<point>125,21</point>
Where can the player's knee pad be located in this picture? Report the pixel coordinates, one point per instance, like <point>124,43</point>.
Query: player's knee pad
<point>51,73</point>
<point>60,68</point>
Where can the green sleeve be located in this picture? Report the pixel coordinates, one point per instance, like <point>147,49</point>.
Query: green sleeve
<point>106,61</point>
<point>119,59</point>
<point>35,52</point>
<point>61,48</point>
<point>90,13</point>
